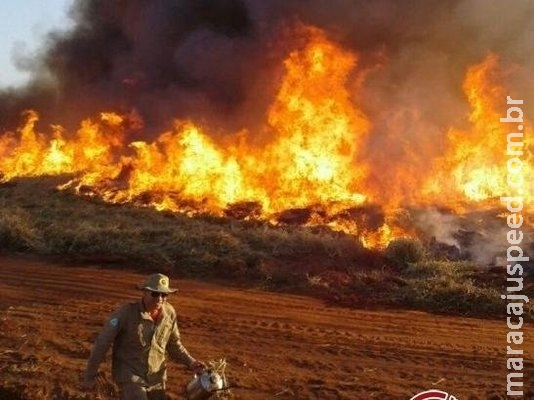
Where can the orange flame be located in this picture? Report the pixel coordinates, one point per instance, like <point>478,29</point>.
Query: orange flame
<point>29,153</point>
<point>314,158</point>
<point>320,130</point>
<point>317,132</point>
<point>474,167</point>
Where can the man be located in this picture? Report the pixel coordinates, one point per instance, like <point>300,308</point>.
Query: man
<point>142,333</point>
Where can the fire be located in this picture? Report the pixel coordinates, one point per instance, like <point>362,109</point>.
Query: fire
<point>311,160</point>
<point>185,162</point>
<point>316,134</point>
<point>474,167</point>
<point>30,153</point>
<point>320,130</point>
<point>314,157</point>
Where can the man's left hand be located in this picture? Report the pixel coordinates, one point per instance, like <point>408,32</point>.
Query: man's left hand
<point>198,366</point>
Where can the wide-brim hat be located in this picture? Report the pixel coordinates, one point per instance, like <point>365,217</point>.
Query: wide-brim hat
<point>157,283</point>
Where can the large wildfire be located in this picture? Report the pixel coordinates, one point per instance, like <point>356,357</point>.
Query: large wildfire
<point>319,154</point>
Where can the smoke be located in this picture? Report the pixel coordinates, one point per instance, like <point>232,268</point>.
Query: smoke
<point>219,61</point>
<point>163,58</point>
<point>478,236</point>
<point>439,225</point>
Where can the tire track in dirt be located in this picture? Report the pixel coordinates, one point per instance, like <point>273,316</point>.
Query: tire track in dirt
<point>278,346</point>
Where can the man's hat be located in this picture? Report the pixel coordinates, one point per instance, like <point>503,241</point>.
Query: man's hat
<point>157,283</point>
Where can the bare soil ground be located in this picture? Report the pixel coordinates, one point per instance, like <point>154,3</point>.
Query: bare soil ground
<point>277,346</point>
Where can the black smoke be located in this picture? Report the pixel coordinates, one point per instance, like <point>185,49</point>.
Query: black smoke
<point>219,62</point>
<point>162,58</point>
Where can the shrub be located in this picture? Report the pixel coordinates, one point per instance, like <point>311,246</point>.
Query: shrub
<point>404,251</point>
<point>448,287</point>
<point>17,232</point>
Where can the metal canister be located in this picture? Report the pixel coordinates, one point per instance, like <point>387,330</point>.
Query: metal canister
<point>205,385</point>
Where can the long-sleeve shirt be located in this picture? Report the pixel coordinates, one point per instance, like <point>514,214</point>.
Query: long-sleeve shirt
<point>139,344</point>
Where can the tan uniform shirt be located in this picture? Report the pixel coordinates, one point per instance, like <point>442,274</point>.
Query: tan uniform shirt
<point>139,345</point>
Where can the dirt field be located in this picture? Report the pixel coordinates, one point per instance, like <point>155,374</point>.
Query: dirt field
<point>277,346</point>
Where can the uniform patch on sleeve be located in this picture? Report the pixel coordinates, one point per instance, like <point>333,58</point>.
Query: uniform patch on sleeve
<point>114,322</point>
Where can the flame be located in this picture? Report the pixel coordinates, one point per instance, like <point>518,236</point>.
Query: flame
<point>317,133</point>
<point>320,130</point>
<point>474,167</point>
<point>313,159</point>
<point>30,153</point>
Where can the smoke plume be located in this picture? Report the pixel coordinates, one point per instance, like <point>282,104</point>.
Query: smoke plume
<point>219,61</point>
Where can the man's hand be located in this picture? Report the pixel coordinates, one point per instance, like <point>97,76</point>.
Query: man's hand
<point>198,366</point>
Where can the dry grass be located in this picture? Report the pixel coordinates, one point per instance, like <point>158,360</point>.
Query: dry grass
<point>37,219</point>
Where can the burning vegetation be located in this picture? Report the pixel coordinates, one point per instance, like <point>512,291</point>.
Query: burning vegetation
<point>235,110</point>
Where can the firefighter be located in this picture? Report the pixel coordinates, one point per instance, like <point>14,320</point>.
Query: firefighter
<point>142,333</point>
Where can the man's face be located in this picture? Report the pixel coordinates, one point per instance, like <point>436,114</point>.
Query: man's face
<point>154,300</point>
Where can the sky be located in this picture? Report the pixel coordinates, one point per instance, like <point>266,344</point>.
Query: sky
<point>24,25</point>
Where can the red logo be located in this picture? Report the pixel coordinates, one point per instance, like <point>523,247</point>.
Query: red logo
<point>434,395</point>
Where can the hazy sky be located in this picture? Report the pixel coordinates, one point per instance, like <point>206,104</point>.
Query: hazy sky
<point>24,24</point>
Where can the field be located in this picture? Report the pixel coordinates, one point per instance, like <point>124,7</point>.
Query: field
<point>338,189</point>
<point>298,313</point>
<point>278,346</point>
